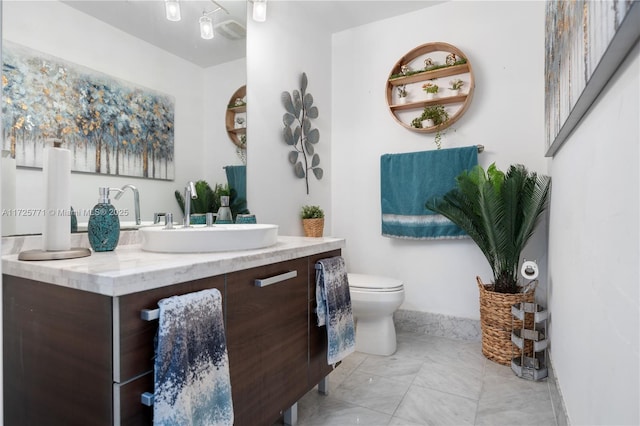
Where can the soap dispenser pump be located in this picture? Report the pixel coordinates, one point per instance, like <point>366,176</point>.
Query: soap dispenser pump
<point>104,223</point>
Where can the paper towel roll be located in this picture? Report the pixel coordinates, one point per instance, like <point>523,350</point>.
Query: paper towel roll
<point>56,169</point>
<point>8,193</point>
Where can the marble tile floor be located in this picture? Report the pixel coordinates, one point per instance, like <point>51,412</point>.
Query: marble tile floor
<point>428,381</point>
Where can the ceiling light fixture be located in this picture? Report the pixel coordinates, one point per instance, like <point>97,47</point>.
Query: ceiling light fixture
<point>259,10</point>
<point>172,10</point>
<point>206,27</point>
<point>206,23</point>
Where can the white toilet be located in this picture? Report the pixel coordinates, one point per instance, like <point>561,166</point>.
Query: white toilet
<point>374,299</point>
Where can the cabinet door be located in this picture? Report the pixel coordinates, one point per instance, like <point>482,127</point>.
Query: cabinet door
<point>318,367</point>
<point>267,341</point>
<point>57,355</point>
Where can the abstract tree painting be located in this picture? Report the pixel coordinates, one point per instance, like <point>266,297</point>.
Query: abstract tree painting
<point>110,126</point>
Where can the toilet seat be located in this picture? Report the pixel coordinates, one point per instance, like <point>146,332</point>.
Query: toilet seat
<point>374,283</point>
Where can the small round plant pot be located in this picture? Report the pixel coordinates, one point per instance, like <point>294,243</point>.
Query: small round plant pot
<point>427,123</point>
<point>402,100</point>
<point>430,95</point>
<point>313,227</point>
<point>455,92</point>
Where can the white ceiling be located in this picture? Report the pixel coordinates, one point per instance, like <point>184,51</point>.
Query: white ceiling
<point>145,19</point>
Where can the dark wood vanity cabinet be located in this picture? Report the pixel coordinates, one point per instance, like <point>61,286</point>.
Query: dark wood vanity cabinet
<point>72,357</point>
<point>267,340</point>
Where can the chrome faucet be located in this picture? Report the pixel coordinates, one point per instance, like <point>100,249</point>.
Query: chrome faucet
<point>189,194</point>
<point>136,200</point>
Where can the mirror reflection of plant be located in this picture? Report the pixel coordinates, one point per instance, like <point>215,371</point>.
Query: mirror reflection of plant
<point>303,138</point>
<point>208,200</point>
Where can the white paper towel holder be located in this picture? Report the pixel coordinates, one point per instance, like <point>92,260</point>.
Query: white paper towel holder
<point>41,254</point>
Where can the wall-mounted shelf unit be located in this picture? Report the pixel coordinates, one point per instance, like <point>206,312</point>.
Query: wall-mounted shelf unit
<point>411,71</point>
<point>232,113</point>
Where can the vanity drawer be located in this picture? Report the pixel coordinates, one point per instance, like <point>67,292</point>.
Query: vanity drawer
<point>136,336</point>
<point>127,401</point>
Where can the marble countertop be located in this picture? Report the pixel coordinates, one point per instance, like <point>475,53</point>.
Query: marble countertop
<point>129,269</point>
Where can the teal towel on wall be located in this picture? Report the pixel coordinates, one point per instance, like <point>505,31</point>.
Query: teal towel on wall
<point>408,180</point>
<point>237,179</point>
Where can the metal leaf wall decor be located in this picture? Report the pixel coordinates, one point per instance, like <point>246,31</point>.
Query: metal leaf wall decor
<point>298,133</point>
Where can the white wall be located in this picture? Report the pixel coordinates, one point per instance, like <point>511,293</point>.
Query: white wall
<point>63,32</point>
<point>279,50</point>
<point>594,280</point>
<point>506,116</point>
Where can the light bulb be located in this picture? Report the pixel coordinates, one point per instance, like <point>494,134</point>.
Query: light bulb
<point>172,10</point>
<point>260,10</point>
<point>206,28</point>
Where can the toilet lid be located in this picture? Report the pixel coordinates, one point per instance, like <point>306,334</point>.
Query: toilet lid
<point>374,283</point>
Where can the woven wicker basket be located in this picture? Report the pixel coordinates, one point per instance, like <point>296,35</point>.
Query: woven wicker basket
<point>497,323</point>
<point>313,227</point>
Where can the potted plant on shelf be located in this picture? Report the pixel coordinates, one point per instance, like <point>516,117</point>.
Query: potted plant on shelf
<point>455,86</point>
<point>500,212</point>
<point>430,89</point>
<point>312,221</point>
<point>402,94</point>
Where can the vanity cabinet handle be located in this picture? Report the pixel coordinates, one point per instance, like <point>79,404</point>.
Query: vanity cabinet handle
<point>150,314</point>
<point>276,279</point>
<point>147,399</point>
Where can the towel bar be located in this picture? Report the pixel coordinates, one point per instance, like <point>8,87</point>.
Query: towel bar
<point>150,314</point>
<point>147,399</point>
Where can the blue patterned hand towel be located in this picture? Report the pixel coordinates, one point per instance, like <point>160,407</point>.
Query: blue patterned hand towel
<point>408,180</point>
<point>192,385</point>
<point>333,307</point>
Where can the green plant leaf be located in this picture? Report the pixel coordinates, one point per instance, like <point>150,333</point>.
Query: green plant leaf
<point>313,136</point>
<point>288,136</point>
<point>312,112</point>
<point>298,169</point>
<point>308,147</point>
<point>308,101</point>
<point>288,103</point>
<point>318,172</point>
<point>288,119</point>
<point>315,160</point>
<point>293,157</point>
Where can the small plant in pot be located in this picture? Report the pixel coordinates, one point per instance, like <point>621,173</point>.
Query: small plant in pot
<point>312,220</point>
<point>402,94</point>
<point>455,86</point>
<point>430,89</point>
<point>500,212</point>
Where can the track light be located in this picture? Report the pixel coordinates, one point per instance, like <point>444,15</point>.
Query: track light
<point>206,27</point>
<point>259,10</point>
<point>172,10</point>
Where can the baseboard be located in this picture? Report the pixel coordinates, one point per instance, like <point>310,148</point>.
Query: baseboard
<point>428,323</point>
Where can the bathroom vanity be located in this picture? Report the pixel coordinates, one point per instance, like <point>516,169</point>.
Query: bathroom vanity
<point>77,352</point>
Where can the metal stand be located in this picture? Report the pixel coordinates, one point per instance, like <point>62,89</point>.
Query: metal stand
<point>532,367</point>
<point>291,415</point>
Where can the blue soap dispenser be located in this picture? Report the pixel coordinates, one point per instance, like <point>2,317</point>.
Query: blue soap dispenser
<point>104,223</point>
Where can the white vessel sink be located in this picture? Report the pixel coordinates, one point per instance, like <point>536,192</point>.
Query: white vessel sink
<point>200,238</point>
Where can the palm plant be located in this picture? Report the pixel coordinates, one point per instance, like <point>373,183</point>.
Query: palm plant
<point>499,212</point>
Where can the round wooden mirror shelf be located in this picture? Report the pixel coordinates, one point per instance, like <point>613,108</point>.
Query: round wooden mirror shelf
<point>235,133</point>
<point>396,79</point>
